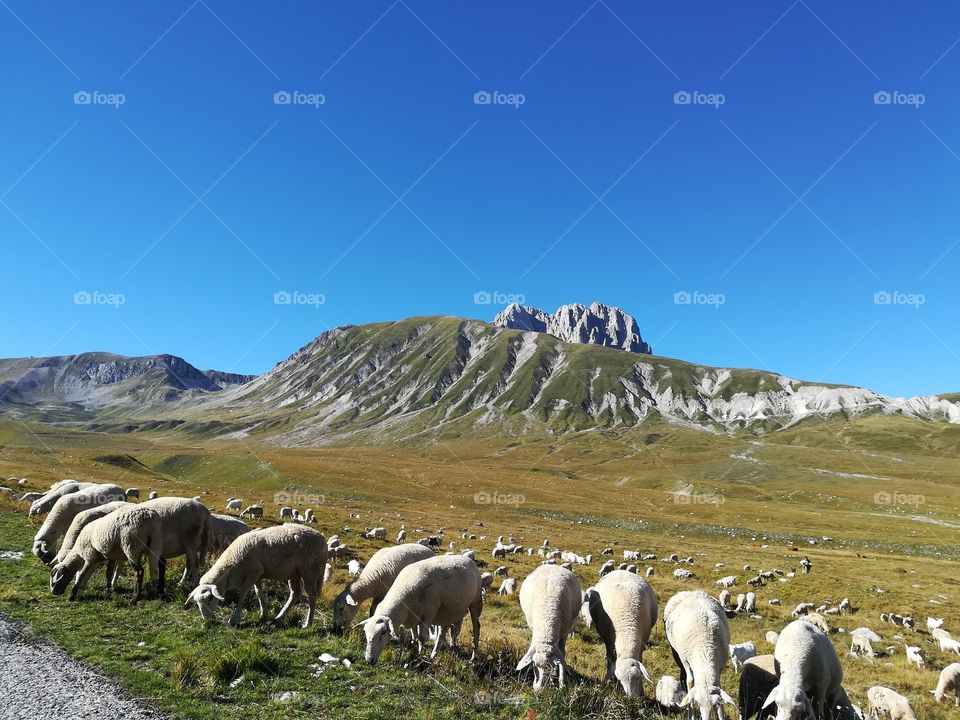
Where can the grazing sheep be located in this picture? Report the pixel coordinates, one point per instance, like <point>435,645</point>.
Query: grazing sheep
<point>631,555</point>
<point>682,574</point>
<point>844,605</point>
<point>860,645</point>
<point>649,572</point>
<point>126,534</point>
<point>742,652</point>
<point>309,517</point>
<point>741,603</point>
<point>771,637</point>
<point>623,608</point>
<point>486,582</point>
<point>501,571</point>
<point>57,490</point>
<point>221,532</point>
<point>758,679</point>
<point>438,591</point>
<point>353,568</point>
<point>291,553</point>
<point>934,623</point>
<point>802,609</point>
<point>153,495</point>
<point>948,644</point>
<point>286,513</point>
<point>607,567</point>
<point>949,680</point>
<point>699,637</point>
<point>884,702</point>
<point>254,512</point>
<point>915,656</point>
<point>728,581</point>
<point>818,621</point>
<point>234,504</point>
<point>508,587</point>
<point>940,633</point>
<point>31,496</point>
<point>80,521</point>
<point>65,509</point>
<point>375,580</point>
<point>750,603</point>
<point>133,493</point>
<point>327,572</point>
<point>550,598</point>
<point>724,598</point>
<point>378,533</point>
<point>809,668</point>
<point>867,633</point>
<point>669,692</point>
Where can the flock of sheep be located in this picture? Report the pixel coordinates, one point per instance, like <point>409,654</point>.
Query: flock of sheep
<point>417,593</point>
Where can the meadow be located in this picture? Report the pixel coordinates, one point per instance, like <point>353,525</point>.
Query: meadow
<point>882,489</point>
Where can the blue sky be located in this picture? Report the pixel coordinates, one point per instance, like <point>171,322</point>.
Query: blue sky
<point>786,188</point>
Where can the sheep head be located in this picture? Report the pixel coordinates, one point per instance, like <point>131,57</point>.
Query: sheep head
<point>60,577</point>
<point>379,631</point>
<point>41,551</point>
<point>792,703</point>
<point>546,659</point>
<point>709,700</point>
<point>631,673</point>
<point>344,609</point>
<point>207,598</point>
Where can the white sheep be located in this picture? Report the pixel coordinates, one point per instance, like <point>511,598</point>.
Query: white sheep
<point>309,517</point>
<point>860,645</point>
<point>809,668</point>
<point>57,490</point>
<point>915,656</point>
<point>125,534</point>
<point>221,532</point>
<point>378,533</point>
<point>234,504</point>
<point>80,521</point>
<point>771,637</point>
<point>508,587</point>
<point>133,493</point>
<point>550,598</point>
<point>669,692</point>
<point>623,608</point>
<point>740,653</point>
<point>934,623</point>
<point>741,603</point>
<point>750,603</point>
<point>438,591</point>
<point>948,644</point>
<point>286,513</point>
<point>699,636</point>
<point>724,598</point>
<point>254,512</point>
<point>153,495</point>
<point>682,574</point>
<point>65,509</point>
<point>758,678</point>
<point>31,496</point>
<point>293,554</point>
<point>607,567</point>
<point>353,568</point>
<point>949,680</point>
<point>375,580</point>
<point>728,581</point>
<point>884,702</point>
<point>631,555</point>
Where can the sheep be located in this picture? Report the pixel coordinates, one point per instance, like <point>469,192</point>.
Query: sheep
<point>728,581</point>
<point>186,527</point>
<point>810,671</point>
<point>401,536</point>
<point>222,531</point>
<point>65,510</point>
<point>631,555</point>
<point>867,633</point>
<point>550,598</point>
<point>291,553</point>
<point>234,504</point>
<point>740,653</point>
<point>309,517</point>
<point>508,587</point>
<point>758,678</point>
<point>125,534</point>
<point>741,603</point>
<point>699,637</point>
<point>80,521</point>
<point>844,605</point>
<point>682,574</point>
<point>254,512</point>
<point>469,553</point>
<point>327,572</point>
<point>501,571</point>
<point>860,645</point>
<point>934,623</point>
<point>439,591</point>
<point>607,567</point>
<point>378,533</point>
<point>153,495</point>
<point>375,580</point>
<point>65,487</point>
<point>886,703</point>
<point>724,598</point>
<point>949,680</point>
<point>771,637</point>
<point>915,655</point>
<point>940,633</point>
<point>649,572</point>
<point>353,568</point>
<point>623,607</point>
<point>750,603</point>
<point>802,609</point>
<point>286,513</point>
<point>31,496</point>
<point>948,644</point>
<point>818,621</point>
<point>669,692</point>
<point>133,493</point>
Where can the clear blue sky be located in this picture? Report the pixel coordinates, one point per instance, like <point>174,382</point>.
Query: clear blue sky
<point>198,197</point>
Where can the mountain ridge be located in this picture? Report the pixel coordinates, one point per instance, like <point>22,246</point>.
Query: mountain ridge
<point>597,324</point>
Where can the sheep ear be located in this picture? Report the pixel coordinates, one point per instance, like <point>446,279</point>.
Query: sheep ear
<point>191,597</point>
<point>350,600</point>
<point>685,700</point>
<point>559,673</point>
<point>216,593</point>
<point>726,698</point>
<point>362,623</point>
<point>646,675</point>
<point>525,660</point>
<point>393,632</point>
<point>771,698</point>
<point>809,706</point>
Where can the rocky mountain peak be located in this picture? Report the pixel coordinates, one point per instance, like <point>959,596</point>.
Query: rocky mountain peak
<point>598,324</point>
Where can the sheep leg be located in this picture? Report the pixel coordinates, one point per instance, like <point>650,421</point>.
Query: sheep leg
<point>454,634</point>
<point>436,643</point>
<point>238,611</point>
<point>111,574</point>
<point>82,578</point>
<point>260,600</point>
<point>294,584</point>
<point>311,604</point>
<point>683,670</point>
<point>161,575</point>
<point>191,569</point>
<point>137,583</point>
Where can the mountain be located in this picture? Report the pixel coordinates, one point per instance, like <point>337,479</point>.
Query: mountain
<point>598,324</point>
<point>103,380</point>
<point>427,379</point>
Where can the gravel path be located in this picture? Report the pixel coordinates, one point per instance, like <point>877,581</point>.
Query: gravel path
<point>38,681</point>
